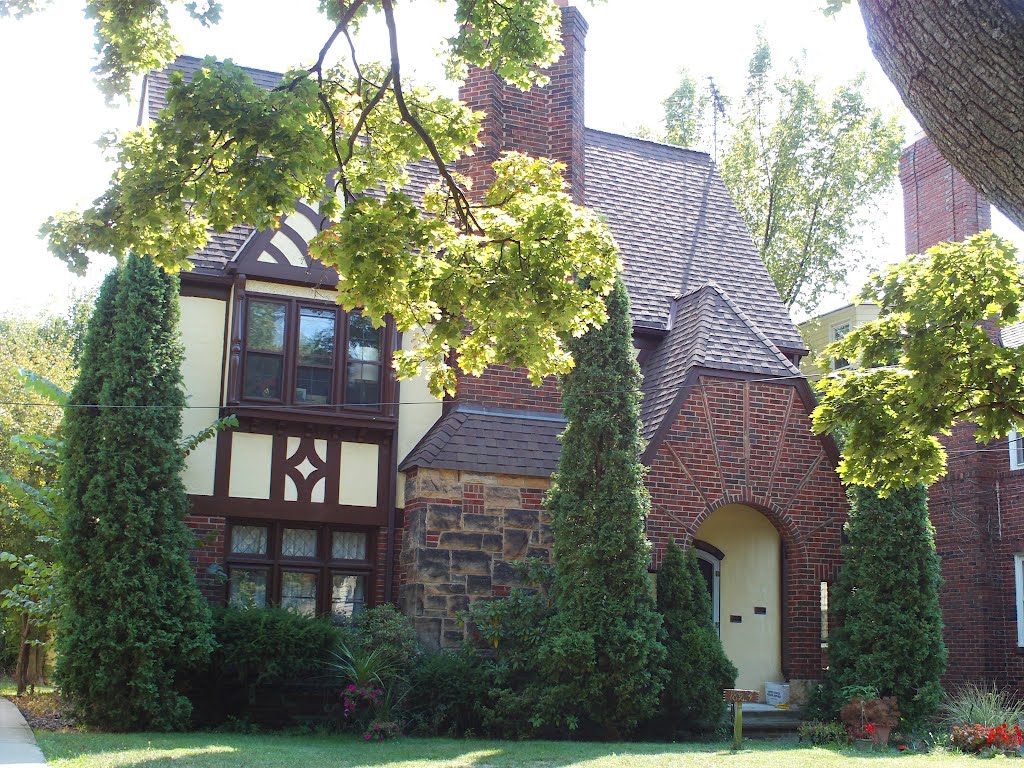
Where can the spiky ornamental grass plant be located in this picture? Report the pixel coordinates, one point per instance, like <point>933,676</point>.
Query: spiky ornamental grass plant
<point>887,623</point>
<point>133,619</point>
<point>601,658</point>
<point>697,666</point>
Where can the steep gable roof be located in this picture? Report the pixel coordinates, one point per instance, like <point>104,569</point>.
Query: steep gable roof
<point>155,84</point>
<point>677,229</point>
<point>709,332</point>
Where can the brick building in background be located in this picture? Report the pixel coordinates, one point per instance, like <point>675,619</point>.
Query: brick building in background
<point>342,489</point>
<point>978,507</point>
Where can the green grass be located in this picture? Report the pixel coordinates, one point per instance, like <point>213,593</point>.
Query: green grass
<point>206,750</point>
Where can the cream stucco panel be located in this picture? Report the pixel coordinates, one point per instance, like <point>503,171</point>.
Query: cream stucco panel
<point>202,335</point>
<point>302,225</point>
<point>418,410</point>
<point>751,577</point>
<point>250,465</point>
<point>291,251</point>
<point>359,474</point>
<point>297,291</point>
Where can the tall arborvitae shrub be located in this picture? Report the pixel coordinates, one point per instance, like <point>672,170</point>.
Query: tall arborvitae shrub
<point>601,657</point>
<point>886,620</point>
<point>698,669</point>
<point>133,620</point>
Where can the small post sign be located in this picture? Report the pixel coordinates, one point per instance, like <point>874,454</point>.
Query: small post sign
<point>737,696</point>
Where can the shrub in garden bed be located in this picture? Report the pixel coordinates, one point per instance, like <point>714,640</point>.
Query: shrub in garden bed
<point>267,668</point>
<point>980,704</point>
<point>823,734</point>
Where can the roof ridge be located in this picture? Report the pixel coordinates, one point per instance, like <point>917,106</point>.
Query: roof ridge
<point>201,59</point>
<point>666,145</point>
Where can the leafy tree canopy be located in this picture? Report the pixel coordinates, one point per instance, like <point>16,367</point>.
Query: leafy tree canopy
<point>926,363</point>
<point>504,274</point>
<point>805,170</point>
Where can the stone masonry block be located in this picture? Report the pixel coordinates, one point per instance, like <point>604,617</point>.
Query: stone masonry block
<point>443,517</point>
<point>476,563</point>
<point>516,543</point>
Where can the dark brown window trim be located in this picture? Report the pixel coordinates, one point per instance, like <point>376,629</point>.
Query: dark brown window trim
<point>323,566</point>
<point>336,411</point>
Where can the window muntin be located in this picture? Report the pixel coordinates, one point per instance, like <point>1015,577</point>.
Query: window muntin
<point>265,349</point>
<point>309,355</point>
<point>1018,573</point>
<point>348,595</point>
<point>836,333</point>
<point>310,569</point>
<point>1016,442</point>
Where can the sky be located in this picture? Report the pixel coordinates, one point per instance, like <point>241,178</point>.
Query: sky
<point>635,51</point>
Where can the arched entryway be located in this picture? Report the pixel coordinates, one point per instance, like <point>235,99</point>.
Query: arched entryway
<point>749,585</point>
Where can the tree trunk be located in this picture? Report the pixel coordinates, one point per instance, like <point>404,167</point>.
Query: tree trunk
<point>21,668</point>
<point>959,67</point>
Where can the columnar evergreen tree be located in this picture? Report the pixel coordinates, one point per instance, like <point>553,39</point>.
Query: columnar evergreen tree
<point>887,623</point>
<point>601,656</point>
<point>133,619</point>
<point>698,669</point>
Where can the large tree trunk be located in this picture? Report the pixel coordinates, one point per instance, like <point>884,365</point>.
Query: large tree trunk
<point>959,66</point>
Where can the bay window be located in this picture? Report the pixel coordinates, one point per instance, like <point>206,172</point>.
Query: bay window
<point>309,569</point>
<point>308,354</point>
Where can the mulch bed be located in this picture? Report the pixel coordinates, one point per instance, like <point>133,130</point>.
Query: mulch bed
<point>43,711</point>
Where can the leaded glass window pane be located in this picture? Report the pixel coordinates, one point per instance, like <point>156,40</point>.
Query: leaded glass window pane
<point>364,341</point>
<point>363,385</point>
<point>249,540</point>
<point>316,336</point>
<point>298,592</point>
<point>348,595</point>
<point>313,385</point>
<point>298,542</point>
<point>348,545</point>
<point>265,329</point>
<point>247,588</point>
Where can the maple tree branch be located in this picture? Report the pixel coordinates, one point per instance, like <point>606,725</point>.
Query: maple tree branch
<point>462,206</point>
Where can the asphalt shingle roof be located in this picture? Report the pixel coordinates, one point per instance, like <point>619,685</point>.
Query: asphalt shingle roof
<point>691,268</point>
<point>474,438</point>
<point>708,331</point>
<point>677,229</point>
<point>159,80</point>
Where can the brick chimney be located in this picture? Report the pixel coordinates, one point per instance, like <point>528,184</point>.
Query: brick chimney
<point>541,122</point>
<point>939,204</point>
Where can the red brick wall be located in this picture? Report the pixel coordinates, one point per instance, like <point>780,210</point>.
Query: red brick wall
<point>978,514</point>
<point>545,122</point>
<point>750,443</point>
<point>209,550</point>
<point>939,204</point>
<point>503,387</point>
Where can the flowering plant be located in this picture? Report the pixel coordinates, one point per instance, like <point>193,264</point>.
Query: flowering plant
<point>975,738</point>
<point>353,695</point>
<point>866,731</point>
<point>379,731</point>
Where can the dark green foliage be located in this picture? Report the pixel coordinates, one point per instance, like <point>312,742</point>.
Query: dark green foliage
<point>887,623</point>
<point>133,621</point>
<point>600,660</point>
<point>265,646</point>
<point>697,666</point>
<point>448,693</point>
<point>384,627</point>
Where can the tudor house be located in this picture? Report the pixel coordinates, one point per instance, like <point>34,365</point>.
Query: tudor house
<point>343,488</point>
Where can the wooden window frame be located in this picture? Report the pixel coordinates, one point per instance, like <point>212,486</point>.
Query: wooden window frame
<point>323,565</point>
<point>339,378</point>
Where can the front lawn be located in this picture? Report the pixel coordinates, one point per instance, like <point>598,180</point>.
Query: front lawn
<point>209,750</point>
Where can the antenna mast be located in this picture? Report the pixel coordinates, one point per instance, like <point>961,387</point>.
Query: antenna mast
<point>718,108</point>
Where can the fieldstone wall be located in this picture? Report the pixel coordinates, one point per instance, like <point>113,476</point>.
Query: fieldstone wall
<point>462,532</point>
